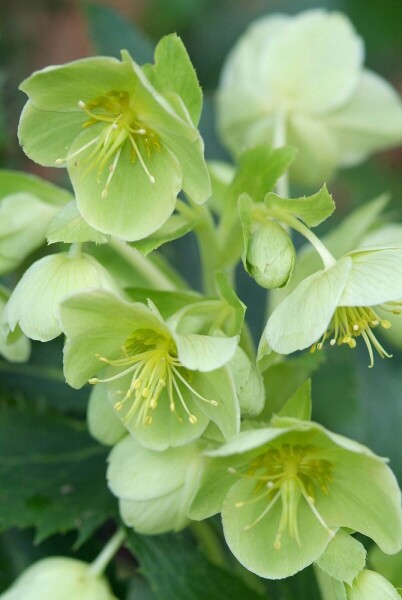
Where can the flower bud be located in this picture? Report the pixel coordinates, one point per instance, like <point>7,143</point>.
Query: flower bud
<point>59,578</point>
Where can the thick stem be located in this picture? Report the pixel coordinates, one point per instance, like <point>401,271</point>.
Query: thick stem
<point>325,255</point>
<point>282,185</point>
<point>103,559</point>
<point>142,265</point>
<point>75,250</point>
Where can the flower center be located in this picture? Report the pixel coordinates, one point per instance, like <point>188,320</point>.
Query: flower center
<point>349,322</point>
<point>151,359</point>
<point>288,472</point>
<point>120,126</point>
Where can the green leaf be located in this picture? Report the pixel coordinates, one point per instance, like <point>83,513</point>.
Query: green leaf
<point>68,226</point>
<point>313,210</point>
<point>14,182</point>
<point>52,475</point>
<point>299,405</point>
<point>343,558</point>
<point>175,227</point>
<point>167,302</point>
<point>176,570</point>
<point>110,32</point>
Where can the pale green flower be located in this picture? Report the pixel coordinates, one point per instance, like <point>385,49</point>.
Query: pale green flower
<point>59,578</point>
<point>300,80</point>
<point>341,303</point>
<point>165,385</point>
<point>126,134</point>
<point>15,347</point>
<point>35,302</point>
<point>155,489</point>
<point>285,490</point>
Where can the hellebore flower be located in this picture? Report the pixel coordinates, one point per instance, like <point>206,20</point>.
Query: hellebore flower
<point>59,578</point>
<point>15,347</point>
<point>154,488</point>
<point>341,303</point>
<point>300,81</point>
<point>129,145</point>
<point>285,490</point>
<point>34,304</point>
<point>164,385</point>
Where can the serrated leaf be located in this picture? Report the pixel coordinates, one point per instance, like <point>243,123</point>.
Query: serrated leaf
<point>177,570</point>
<point>166,302</point>
<point>175,227</point>
<point>110,33</point>
<point>52,475</point>
<point>313,210</point>
<point>68,226</point>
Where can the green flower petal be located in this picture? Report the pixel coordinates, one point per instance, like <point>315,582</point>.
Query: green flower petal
<point>143,206</point>
<point>23,222</point>
<point>313,64</point>
<point>103,424</point>
<point>137,473</point>
<point>60,88</point>
<point>302,318</point>
<point>153,517</point>
<point>15,347</point>
<point>343,558</point>
<point>359,127</point>
<point>99,322</point>
<point>45,135</point>
<point>68,226</point>
<point>364,496</point>
<point>375,277</point>
<point>203,352</point>
<point>371,586</point>
<point>253,546</point>
<point>35,302</point>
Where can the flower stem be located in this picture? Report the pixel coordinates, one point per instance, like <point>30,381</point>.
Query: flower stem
<point>75,250</point>
<point>208,247</point>
<point>149,270</point>
<point>325,255</point>
<point>209,542</point>
<point>282,185</point>
<point>103,559</point>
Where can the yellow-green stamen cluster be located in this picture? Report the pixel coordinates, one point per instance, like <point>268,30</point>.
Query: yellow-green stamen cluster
<point>288,472</point>
<point>151,359</point>
<point>350,322</point>
<point>121,125</point>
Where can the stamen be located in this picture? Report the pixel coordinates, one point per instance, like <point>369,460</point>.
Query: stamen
<point>138,153</point>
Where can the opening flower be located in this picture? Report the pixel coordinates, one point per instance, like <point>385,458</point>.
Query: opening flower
<point>129,145</point>
<point>341,304</point>
<point>165,386</point>
<point>285,490</point>
<point>300,80</point>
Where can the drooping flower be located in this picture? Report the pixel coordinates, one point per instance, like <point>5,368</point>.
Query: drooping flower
<point>127,136</point>
<point>35,302</point>
<point>285,490</point>
<point>342,303</point>
<point>164,385</point>
<point>300,80</point>
<point>59,577</point>
<point>154,488</point>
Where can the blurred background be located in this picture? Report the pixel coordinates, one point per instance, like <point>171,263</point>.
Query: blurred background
<point>349,398</point>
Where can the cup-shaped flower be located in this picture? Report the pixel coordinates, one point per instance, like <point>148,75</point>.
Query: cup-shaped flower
<point>285,490</point>
<point>300,80</point>
<point>370,585</point>
<point>129,145</point>
<point>154,488</point>
<point>341,304</point>
<point>59,578</point>
<point>35,302</point>
<point>164,385</point>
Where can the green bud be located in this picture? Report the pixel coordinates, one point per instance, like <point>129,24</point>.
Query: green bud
<point>59,578</point>
<point>270,256</point>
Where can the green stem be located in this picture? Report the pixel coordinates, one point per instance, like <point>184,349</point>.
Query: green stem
<point>325,255</point>
<point>282,185</point>
<point>209,542</point>
<point>208,247</point>
<point>75,250</point>
<point>142,265</point>
<point>103,559</point>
